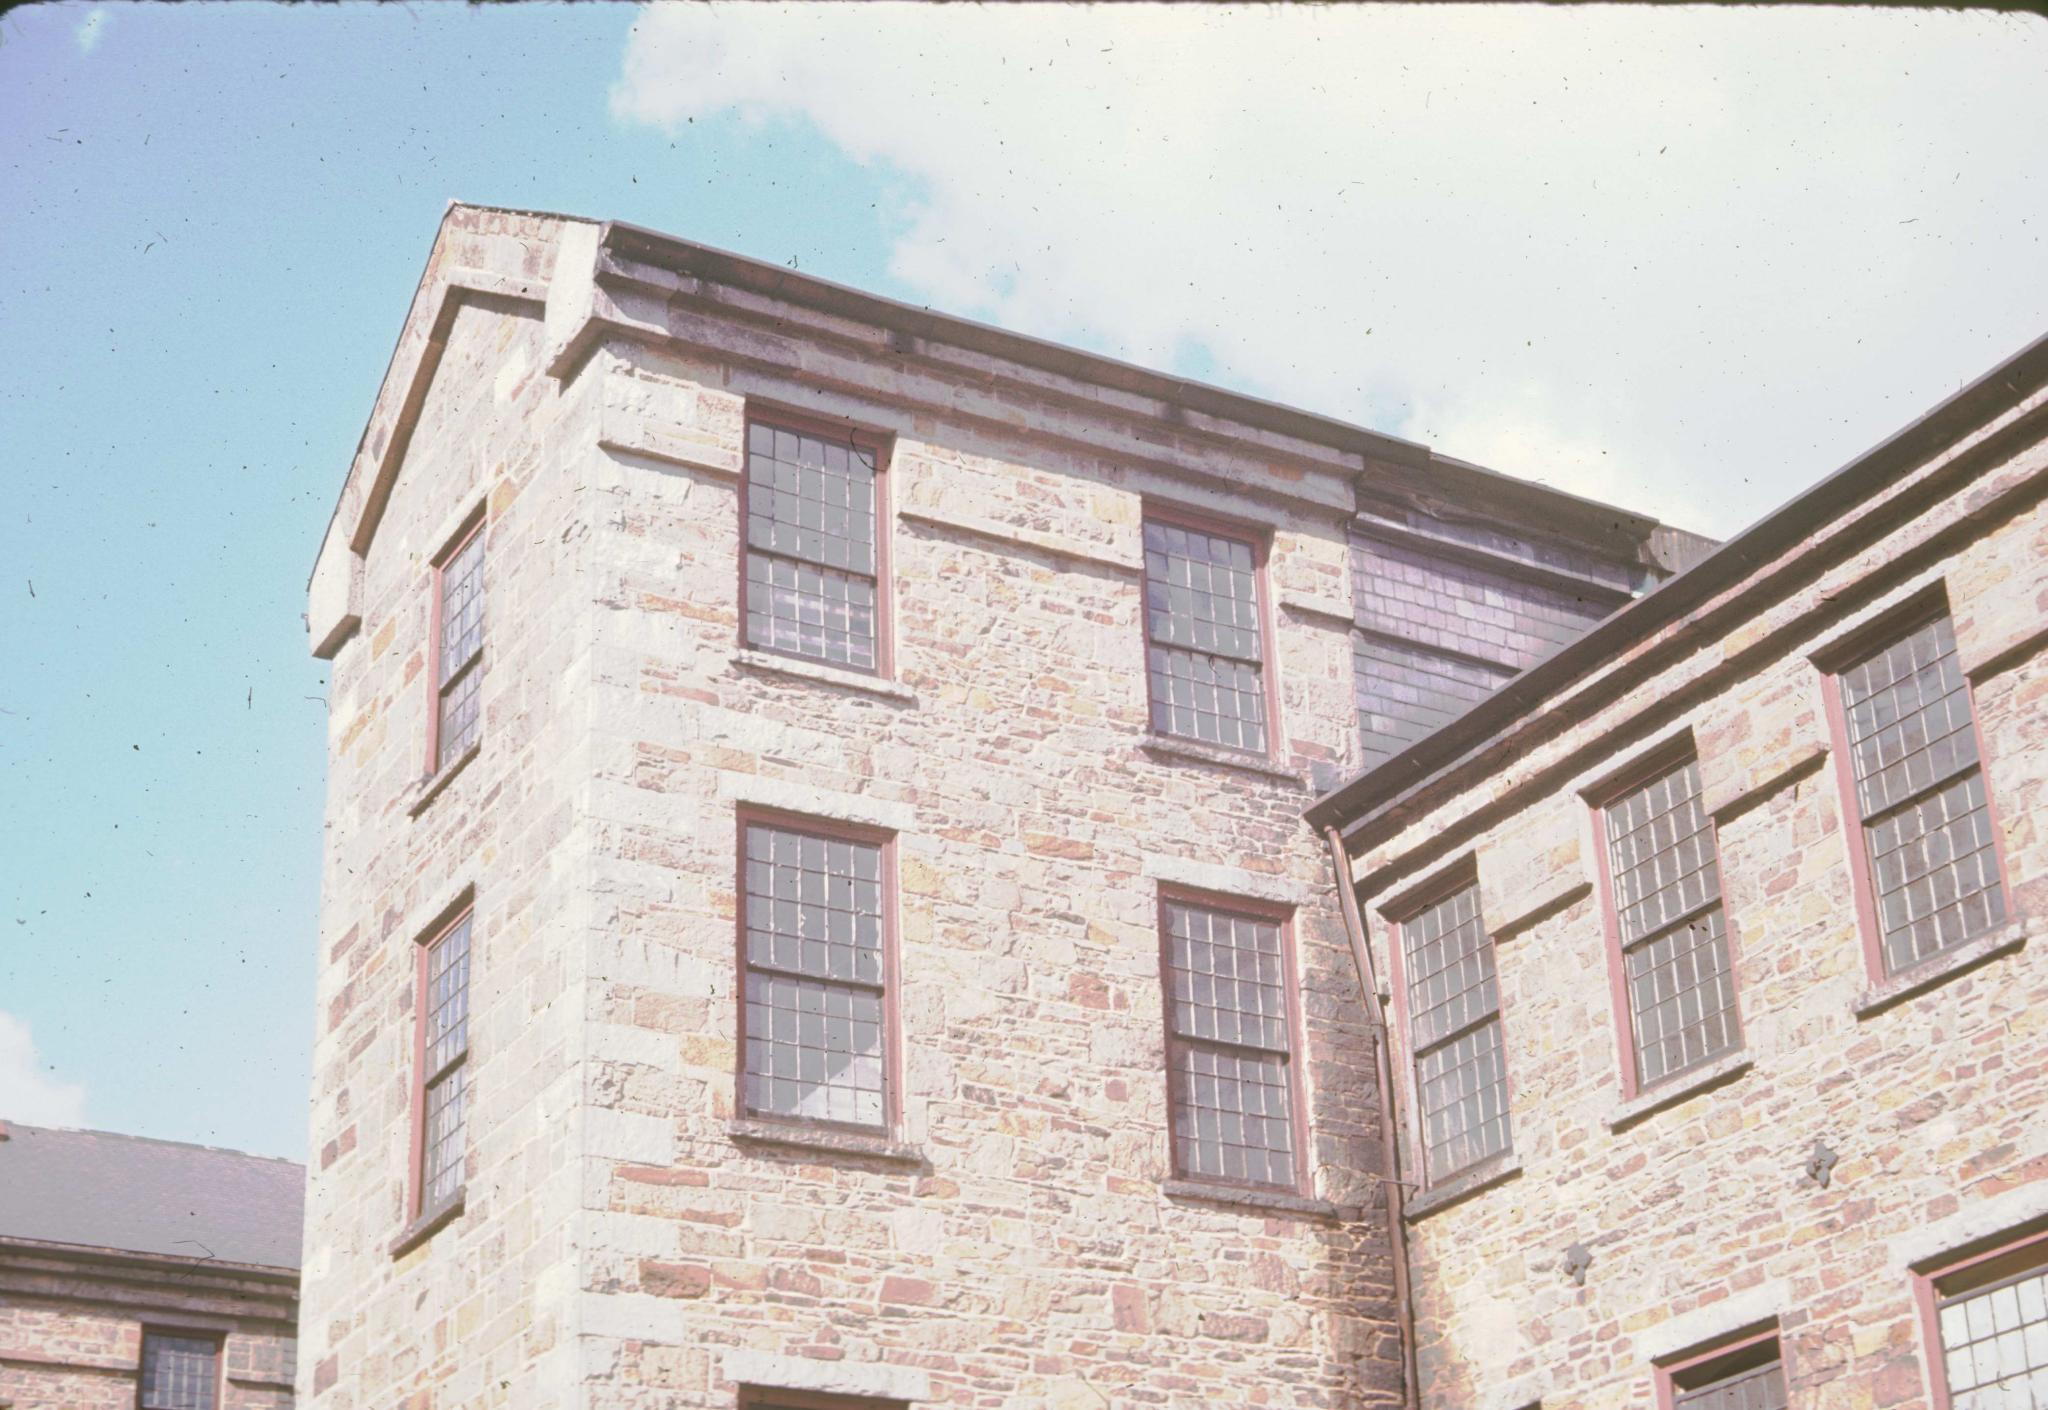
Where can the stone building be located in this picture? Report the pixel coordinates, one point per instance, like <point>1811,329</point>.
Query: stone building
<point>1710,951</point>
<point>151,1274</point>
<point>817,910</point>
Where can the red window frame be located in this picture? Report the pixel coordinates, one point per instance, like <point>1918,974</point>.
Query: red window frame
<point>215,1335</point>
<point>2008,1259</point>
<point>1839,657</point>
<point>1603,795</point>
<point>1273,913</point>
<point>416,1207</point>
<point>1717,1361</point>
<point>1409,906</point>
<point>892,1021</point>
<point>880,444</point>
<point>437,688</point>
<point>1259,538</point>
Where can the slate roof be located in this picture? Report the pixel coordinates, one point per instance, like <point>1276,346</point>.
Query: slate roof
<point>99,1190</point>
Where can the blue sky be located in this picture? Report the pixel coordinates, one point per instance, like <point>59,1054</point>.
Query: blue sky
<point>1688,260</point>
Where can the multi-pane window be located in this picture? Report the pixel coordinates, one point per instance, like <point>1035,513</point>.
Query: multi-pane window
<point>444,1048</point>
<point>1453,1003</point>
<point>816,978</point>
<point>1920,792</point>
<point>812,550</point>
<point>459,649</point>
<point>1203,636</point>
<point>1229,1046</point>
<point>1674,940</point>
<point>1994,1336</point>
<point>1750,1379</point>
<point>179,1371</point>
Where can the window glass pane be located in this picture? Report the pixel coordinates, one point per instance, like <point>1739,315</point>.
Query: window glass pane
<point>811,541</point>
<point>462,607</point>
<point>448,996</point>
<point>1232,1120</point>
<point>1201,592</point>
<point>1682,998</point>
<point>814,905</point>
<point>1908,712</point>
<point>1226,978</point>
<point>1202,618</point>
<point>461,707</point>
<point>814,1051</point>
<point>1661,849</point>
<point>1208,698</point>
<point>441,1157</point>
<point>1463,1086</point>
<point>1995,1342</point>
<point>814,997</point>
<point>1449,968</point>
<point>1927,826</point>
<point>179,1373</point>
<point>1453,998</point>
<point>1935,873</point>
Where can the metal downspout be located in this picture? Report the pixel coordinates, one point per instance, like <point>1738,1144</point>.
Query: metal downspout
<point>1397,1236</point>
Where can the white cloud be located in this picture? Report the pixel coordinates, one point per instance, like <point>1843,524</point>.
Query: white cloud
<point>28,1093</point>
<point>1688,259</point>
<point>91,28</point>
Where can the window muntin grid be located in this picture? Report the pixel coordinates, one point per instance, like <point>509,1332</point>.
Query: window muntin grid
<point>1452,997</point>
<point>815,990</point>
<point>1674,939</point>
<point>443,1078</point>
<point>1756,1388</point>
<point>1994,1344</point>
<point>1202,625</point>
<point>458,670</point>
<point>1229,1046</point>
<point>179,1372</point>
<point>812,575</point>
<point>1920,790</point>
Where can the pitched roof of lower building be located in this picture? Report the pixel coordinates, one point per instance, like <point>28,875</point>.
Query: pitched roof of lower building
<point>95,1189</point>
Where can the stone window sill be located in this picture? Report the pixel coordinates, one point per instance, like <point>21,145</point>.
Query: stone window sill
<point>1691,1083</point>
<point>425,1227</point>
<point>1488,1173</point>
<point>796,668</point>
<point>431,788</point>
<point>823,1141</point>
<point>1166,746</point>
<point>1248,1198</point>
<point>2006,940</point>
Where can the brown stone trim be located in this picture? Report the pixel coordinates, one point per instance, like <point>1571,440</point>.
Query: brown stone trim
<point>822,1140</point>
<point>427,1225</point>
<point>1685,1086</point>
<point>1171,747</point>
<point>2008,939</point>
<point>432,787</point>
<point>1488,1174</point>
<point>1250,1198</point>
<point>775,663</point>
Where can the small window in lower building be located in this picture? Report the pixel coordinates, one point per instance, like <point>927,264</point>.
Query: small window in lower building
<point>180,1371</point>
<point>1991,1316</point>
<point>1749,1376</point>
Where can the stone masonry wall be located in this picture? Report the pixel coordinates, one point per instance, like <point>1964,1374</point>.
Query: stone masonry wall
<point>1025,1255</point>
<point>1698,1217</point>
<point>479,1314</point>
